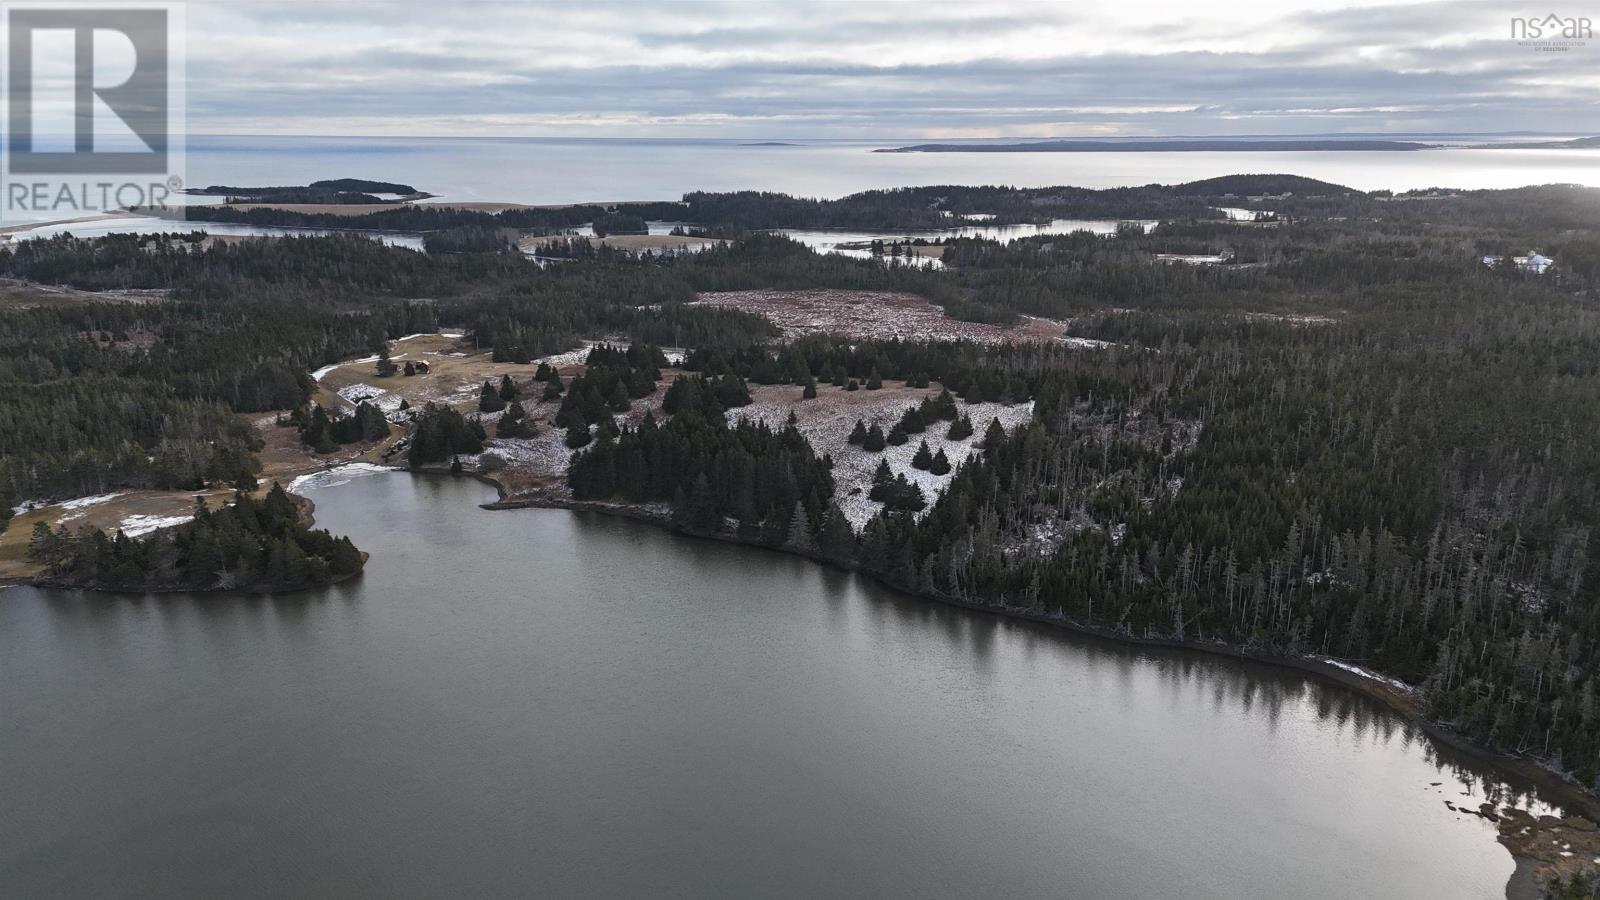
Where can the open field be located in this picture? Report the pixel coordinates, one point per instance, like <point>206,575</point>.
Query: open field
<point>488,206</point>
<point>18,294</point>
<point>138,512</point>
<point>827,420</point>
<point>134,512</point>
<point>637,242</point>
<point>458,371</point>
<point>869,315</point>
<point>633,242</point>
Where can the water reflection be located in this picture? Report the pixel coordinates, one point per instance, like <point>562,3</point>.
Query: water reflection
<point>505,693</point>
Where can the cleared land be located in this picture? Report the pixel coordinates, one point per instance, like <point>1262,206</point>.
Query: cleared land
<point>827,420</point>
<point>869,315</point>
<point>135,512</point>
<point>637,242</point>
<point>18,294</point>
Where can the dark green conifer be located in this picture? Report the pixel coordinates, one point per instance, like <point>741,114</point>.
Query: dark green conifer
<point>489,399</point>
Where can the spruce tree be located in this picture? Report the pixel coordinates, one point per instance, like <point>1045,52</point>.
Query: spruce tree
<point>897,435</point>
<point>617,399</point>
<point>912,422</point>
<point>799,533</point>
<point>994,436</point>
<point>578,435</point>
<point>810,393</point>
<point>923,459</point>
<point>858,434</point>
<point>508,389</point>
<point>874,380</point>
<point>837,539</point>
<point>489,399</point>
<point>882,481</point>
<point>514,423</point>
<point>940,464</point>
<point>874,441</point>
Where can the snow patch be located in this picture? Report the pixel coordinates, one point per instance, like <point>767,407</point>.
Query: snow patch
<point>1364,672</point>
<point>138,526</point>
<point>335,476</point>
<point>577,356</point>
<point>84,502</point>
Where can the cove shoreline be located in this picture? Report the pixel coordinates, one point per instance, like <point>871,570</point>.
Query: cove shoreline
<point>1567,792</point>
<point>1524,883</point>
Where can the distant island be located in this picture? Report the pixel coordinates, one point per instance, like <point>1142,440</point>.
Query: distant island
<point>1188,145</point>
<point>770,144</point>
<point>328,191</point>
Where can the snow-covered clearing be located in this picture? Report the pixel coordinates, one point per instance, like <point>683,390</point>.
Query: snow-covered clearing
<point>79,503</point>
<point>542,456</point>
<point>1289,319</point>
<point>826,422</point>
<point>576,357</point>
<point>873,315</point>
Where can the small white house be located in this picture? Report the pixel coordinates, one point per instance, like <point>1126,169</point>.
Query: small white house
<point>1535,263</point>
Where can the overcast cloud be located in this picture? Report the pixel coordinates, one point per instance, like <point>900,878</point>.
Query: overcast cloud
<point>880,70</point>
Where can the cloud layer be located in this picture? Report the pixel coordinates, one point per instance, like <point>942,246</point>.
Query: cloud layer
<point>879,70</point>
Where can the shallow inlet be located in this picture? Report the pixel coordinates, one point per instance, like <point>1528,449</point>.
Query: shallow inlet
<point>571,704</point>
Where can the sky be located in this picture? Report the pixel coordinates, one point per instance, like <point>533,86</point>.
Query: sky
<point>922,70</point>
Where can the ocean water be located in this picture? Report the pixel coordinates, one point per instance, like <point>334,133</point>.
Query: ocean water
<point>554,171</point>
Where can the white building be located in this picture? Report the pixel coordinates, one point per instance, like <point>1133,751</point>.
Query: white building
<point>1534,263</point>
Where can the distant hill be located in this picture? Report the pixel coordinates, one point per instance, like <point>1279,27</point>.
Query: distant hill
<point>1258,185</point>
<point>1186,145</point>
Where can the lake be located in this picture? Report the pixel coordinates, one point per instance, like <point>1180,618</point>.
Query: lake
<point>549,703</point>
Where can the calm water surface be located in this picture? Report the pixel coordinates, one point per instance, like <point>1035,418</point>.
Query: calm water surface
<point>545,703</point>
<point>548,170</point>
